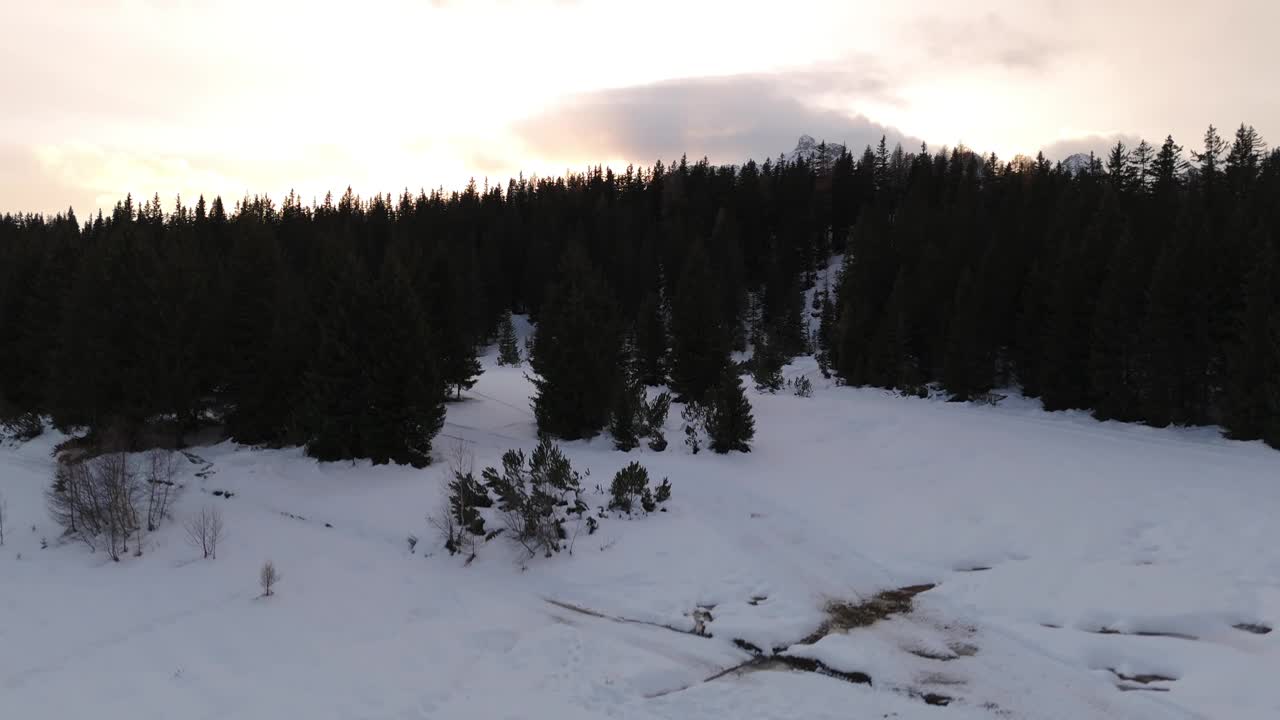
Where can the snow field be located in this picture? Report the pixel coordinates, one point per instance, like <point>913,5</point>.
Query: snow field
<point>1059,545</point>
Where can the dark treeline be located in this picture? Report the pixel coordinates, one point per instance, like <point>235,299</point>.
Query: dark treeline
<point>1143,287</point>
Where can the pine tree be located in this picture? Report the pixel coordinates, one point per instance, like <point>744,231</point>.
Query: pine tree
<point>700,341</point>
<point>1140,165</point>
<point>651,342</point>
<point>826,331</point>
<point>966,372</point>
<point>729,423</point>
<point>444,301</point>
<point>575,352</point>
<point>1244,160</point>
<point>1113,362</point>
<point>1254,362</point>
<point>1168,168</point>
<point>627,417</point>
<point>337,389</point>
<point>508,344</point>
<point>767,362</point>
<point>405,394</point>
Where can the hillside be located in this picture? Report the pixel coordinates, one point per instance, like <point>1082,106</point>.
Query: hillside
<point>1071,561</point>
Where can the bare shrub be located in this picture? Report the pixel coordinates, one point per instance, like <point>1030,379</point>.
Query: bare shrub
<point>267,578</point>
<point>162,468</point>
<point>4,512</point>
<point>96,501</point>
<point>204,531</point>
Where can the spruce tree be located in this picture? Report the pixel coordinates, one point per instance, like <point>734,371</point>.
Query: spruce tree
<point>444,300</point>
<point>1113,349</point>
<point>700,341</point>
<point>337,389</point>
<point>404,407</point>
<point>508,344</point>
<point>966,372</point>
<point>766,363</point>
<point>1254,362</point>
<point>729,422</point>
<point>627,416</point>
<point>651,343</point>
<point>576,352</point>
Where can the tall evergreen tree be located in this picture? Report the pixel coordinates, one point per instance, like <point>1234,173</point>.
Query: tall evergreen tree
<point>508,344</point>
<point>730,424</point>
<point>444,300</point>
<point>651,341</point>
<point>337,386</point>
<point>576,352</point>
<point>405,393</point>
<point>700,340</point>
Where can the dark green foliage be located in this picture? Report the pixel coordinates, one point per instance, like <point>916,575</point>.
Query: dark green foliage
<point>1253,405</point>
<point>655,412</point>
<point>630,487</point>
<point>536,495</point>
<point>766,364</point>
<point>651,342</point>
<point>729,423</point>
<point>405,404</point>
<point>576,350</point>
<point>627,419</point>
<point>662,493</point>
<point>1134,288</point>
<point>466,497</point>
<point>1114,364</point>
<point>635,417</point>
<point>694,416</point>
<point>700,338</point>
<point>508,344</point>
<point>802,387</point>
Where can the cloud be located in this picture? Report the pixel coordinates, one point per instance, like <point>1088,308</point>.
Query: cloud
<point>727,119</point>
<point>1099,145</point>
<point>26,185</point>
<point>989,39</point>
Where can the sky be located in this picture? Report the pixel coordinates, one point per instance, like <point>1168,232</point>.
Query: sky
<point>189,97</point>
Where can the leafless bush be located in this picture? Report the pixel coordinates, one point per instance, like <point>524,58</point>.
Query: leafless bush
<point>267,578</point>
<point>96,501</point>
<point>162,468</point>
<point>4,512</point>
<point>204,530</point>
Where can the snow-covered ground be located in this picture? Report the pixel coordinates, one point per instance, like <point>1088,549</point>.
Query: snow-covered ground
<point>1039,530</point>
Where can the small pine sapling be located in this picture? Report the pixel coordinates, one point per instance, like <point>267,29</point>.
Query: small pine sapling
<point>656,419</point>
<point>627,417</point>
<point>630,486</point>
<point>695,418</point>
<point>662,493</point>
<point>802,387</point>
<point>535,495</point>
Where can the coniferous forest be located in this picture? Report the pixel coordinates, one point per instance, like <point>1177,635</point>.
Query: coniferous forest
<point>1143,286</point>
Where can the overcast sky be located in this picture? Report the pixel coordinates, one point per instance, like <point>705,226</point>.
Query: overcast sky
<point>260,96</point>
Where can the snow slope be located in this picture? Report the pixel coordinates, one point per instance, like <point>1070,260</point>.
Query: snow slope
<point>1082,527</point>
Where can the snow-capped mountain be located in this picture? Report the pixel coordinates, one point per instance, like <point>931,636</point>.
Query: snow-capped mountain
<point>807,149</point>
